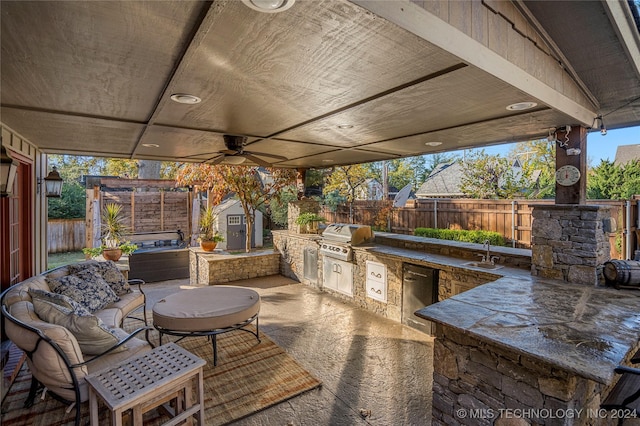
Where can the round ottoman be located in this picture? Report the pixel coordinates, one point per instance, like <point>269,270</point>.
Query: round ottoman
<point>207,311</point>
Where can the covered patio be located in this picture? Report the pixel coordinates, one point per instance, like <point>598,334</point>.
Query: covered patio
<point>316,84</point>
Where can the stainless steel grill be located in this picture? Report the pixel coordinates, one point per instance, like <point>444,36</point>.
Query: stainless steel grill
<point>338,239</point>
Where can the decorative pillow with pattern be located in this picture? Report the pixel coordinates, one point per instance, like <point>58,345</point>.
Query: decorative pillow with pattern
<point>90,332</point>
<point>58,299</point>
<point>109,271</point>
<point>85,287</point>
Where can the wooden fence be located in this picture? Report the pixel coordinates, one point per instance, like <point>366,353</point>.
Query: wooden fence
<point>147,205</point>
<point>511,218</point>
<point>65,235</point>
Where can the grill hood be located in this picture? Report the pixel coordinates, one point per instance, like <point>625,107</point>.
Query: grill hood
<point>348,233</point>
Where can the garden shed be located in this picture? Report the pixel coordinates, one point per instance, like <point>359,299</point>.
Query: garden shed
<point>231,223</point>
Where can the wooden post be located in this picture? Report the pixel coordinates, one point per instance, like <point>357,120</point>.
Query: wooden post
<point>300,182</point>
<point>571,150</point>
<point>161,210</point>
<point>133,211</point>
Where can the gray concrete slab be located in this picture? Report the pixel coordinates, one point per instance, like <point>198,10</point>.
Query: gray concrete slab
<point>374,371</point>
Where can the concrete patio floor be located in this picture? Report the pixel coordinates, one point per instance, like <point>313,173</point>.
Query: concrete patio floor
<point>373,371</point>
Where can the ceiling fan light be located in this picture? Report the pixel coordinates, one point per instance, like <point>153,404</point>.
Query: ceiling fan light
<point>269,6</point>
<point>234,160</point>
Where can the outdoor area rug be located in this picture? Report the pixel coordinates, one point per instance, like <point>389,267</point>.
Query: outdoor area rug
<point>249,377</point>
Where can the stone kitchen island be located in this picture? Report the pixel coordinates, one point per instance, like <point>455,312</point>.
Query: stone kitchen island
<point>530,344</point>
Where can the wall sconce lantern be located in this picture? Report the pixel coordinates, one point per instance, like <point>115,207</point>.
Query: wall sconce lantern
<point>8,169</point>
<point>53,184</point>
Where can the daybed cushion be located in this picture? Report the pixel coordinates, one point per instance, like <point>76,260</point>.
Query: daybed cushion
<point>90,332</point>
<point>85,287</point>
<point>109,272</point>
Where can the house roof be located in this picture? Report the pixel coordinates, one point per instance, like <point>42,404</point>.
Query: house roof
<point>324,83</point>
<point>443,181</point>
<point>626,153</point>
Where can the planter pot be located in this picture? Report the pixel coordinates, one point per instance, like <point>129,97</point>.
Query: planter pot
<point>112,254</point>
<point>208,245</point>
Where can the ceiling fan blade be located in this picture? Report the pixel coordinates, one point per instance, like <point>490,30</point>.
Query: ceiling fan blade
<point>228,152</point>
<point>258,161</point>
<point>215,160</point>
<point>277,157</point>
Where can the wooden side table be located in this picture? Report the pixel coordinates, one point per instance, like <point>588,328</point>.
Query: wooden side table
<point>147,381</point>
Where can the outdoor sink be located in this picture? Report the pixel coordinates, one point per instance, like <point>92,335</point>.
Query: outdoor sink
<point>484,265</point>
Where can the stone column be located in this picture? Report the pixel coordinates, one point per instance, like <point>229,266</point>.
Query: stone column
<point>296,208</point>
<point>569,242</point>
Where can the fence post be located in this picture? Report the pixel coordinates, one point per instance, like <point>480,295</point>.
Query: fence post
<point>627,229</point>
<point>435,213</point>
<point>513,223</point>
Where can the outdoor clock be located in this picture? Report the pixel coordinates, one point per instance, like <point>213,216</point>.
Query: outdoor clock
<point>567,175</point>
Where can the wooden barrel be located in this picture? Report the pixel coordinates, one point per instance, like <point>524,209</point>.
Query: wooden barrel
<point>625,272</point>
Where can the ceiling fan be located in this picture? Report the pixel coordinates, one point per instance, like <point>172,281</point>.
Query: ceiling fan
<point>235,153</point>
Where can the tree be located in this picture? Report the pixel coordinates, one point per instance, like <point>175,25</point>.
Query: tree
<point>278,208</point>
<point>491,176</point>
<point>609,181</point>
<point>252,187</point>
<point>538,155</point>
<point>347,181</point>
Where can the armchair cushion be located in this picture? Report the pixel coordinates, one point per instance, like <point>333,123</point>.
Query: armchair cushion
<point>91,334</point>
<point>85,287</point>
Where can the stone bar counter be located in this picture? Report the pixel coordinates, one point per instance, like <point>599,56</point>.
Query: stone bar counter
<point>530,344</point>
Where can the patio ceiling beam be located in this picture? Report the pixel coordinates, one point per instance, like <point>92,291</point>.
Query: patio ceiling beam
<point>622,19</point>
<point>435,30</point>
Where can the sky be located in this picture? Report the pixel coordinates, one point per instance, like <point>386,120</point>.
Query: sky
<point>598,147</point>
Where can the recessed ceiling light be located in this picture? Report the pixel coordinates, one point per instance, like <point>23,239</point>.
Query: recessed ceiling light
<point>151,145</point>
<point>521,106</point>
<point>433,143</point>
<point>326,160</point>
<point>269,6</point>
<point>183,98</point>
<point>345,126</point>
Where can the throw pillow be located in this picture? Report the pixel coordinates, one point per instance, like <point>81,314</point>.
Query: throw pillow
<point>85,287</point>
<point>109,271</point>
<point>58,299</point>
<point>92,335</point>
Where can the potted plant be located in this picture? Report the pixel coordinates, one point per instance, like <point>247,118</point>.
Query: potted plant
<point>126,248</point>
<point>112,232</point>
<point>209,235</point>
<point>309,222</point>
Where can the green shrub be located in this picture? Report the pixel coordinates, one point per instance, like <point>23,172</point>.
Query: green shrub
<point>495,239</point>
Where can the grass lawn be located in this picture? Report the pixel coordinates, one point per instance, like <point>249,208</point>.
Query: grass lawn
<point>58,259</point>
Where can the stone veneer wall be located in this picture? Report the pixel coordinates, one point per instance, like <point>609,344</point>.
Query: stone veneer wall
<point>291,247</point>
<point>393,308</point>
<point>569,242</point>
<point>295,208</point>
<point>456,281</point>
<point>207,268</point>
<point>474,382</point>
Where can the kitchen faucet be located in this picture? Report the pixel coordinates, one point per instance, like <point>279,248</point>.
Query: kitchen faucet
<point>488,258</point>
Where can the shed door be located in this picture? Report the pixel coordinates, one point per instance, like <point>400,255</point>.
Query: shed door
<point>236,231</point>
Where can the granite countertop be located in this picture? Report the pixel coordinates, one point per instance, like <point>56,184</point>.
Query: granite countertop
<point>583,329</point>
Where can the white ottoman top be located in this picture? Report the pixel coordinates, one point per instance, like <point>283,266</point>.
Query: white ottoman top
<point>206,308</point>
